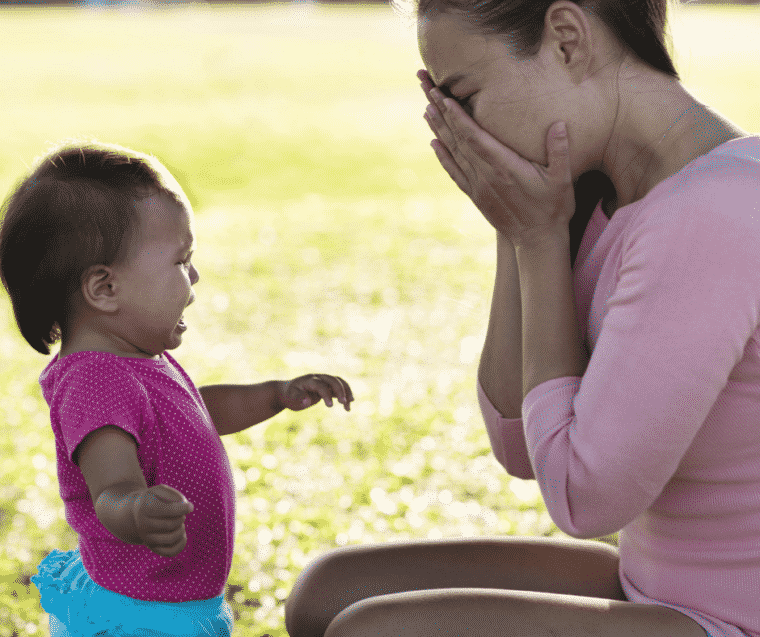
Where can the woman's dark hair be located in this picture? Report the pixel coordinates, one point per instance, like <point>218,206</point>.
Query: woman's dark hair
<point>639,25</point>
<point>76,209</point>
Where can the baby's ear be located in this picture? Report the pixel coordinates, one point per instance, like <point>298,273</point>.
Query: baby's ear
<point>99,288</point>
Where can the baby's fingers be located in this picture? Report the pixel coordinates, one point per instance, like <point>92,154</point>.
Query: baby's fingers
<point>341,390</point>
<point>168,545</point>
<point>308,390</point>
<point>163,502</point>
<point>349,395</point>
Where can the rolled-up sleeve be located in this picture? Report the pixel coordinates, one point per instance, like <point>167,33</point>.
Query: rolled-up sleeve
<point>507,439</point>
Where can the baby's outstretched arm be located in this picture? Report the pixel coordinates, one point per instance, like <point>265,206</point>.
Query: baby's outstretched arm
<point>234,408</point>
<point>132,512</point>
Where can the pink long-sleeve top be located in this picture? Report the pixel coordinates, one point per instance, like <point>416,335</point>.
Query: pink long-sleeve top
<point>660,438</point>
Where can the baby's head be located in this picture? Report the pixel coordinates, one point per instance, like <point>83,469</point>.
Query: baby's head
<point>94,250</point>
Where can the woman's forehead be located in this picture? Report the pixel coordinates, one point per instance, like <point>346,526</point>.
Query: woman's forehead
<point>449,46</point>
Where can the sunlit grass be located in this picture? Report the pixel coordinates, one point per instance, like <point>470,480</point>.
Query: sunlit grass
<point>329,240</point>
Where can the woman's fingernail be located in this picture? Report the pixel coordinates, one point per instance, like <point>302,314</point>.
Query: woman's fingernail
<point>430,110</point>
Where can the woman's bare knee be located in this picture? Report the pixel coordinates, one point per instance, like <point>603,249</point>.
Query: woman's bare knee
<point>347,575</point>
<point>489,612</point>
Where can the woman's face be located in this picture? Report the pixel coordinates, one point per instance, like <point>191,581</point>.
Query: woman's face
<point>515,100</point>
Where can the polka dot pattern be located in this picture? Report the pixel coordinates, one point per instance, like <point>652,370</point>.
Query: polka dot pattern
<point>156,402</point>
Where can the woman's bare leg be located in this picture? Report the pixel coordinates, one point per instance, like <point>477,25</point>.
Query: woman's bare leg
<point>501,613</point>
<point>348,574</point>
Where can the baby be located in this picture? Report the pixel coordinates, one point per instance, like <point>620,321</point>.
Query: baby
<point>95,250</point>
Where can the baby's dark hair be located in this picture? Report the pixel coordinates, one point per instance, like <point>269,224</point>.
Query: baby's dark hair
<point>76,209</point>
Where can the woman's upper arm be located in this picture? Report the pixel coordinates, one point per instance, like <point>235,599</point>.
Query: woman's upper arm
<point>108,457</point>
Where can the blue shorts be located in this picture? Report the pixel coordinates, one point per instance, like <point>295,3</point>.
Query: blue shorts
<point>78,607</point>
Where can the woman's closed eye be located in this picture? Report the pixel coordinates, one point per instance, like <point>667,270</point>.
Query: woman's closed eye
<point>466,103</point>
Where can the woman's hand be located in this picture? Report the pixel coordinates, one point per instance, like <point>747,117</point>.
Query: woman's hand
<point>523,200</point>
<point>305,391</point>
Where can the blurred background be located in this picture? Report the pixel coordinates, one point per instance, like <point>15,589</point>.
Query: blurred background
<point>328,240</point>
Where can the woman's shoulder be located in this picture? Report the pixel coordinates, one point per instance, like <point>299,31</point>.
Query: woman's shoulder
<point>726,176</point>
<point>710,205</point>
<point>743,148</point>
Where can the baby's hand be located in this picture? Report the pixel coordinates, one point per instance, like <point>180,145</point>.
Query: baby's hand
<point>159,514</point>
<point>305,391</point>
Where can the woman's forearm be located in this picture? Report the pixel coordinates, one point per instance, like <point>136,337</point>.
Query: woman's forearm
<point>500,371</point>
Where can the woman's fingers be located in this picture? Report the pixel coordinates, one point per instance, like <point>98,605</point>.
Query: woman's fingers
<point>426,83</point>
<point>455,128</point>
<point>451,166</point>
<point>559,155</point>
<point>479,148</point>
<point>459,164</point>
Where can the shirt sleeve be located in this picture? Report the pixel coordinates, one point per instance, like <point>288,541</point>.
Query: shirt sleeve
<point>685,304</point>
<point>91,395</point>
<point>507,439</point>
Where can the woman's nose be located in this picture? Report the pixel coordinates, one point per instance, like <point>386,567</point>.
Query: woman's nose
<point>194,275</point>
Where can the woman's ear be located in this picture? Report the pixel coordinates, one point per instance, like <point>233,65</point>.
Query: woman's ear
<point>99,288</point>
<point>568,32</point>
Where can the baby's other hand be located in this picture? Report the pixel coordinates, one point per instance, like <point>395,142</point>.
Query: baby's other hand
<point>305,391</point>
<point>159,514</point>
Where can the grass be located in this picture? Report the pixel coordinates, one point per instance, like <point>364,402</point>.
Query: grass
<point>329,240</point>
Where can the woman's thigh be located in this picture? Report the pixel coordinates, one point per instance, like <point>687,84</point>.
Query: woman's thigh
<point>500,613</point>
<point>346,575</point>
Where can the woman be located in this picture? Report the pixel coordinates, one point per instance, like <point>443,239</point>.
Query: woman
<point>636,405</point>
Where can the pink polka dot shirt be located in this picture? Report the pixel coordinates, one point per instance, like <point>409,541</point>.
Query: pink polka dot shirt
<point>177,445</point>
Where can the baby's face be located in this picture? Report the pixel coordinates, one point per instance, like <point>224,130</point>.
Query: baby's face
<point>155,285</point>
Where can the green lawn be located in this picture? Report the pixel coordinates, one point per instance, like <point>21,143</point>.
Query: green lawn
<point>329,240</point>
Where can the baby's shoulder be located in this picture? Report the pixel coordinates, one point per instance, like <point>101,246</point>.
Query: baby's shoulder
<point>96,374</point>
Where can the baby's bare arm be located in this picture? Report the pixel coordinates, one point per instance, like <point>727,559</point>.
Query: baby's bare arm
<point>124,504</point>
<point>108,460</point>
<point>234,408</point>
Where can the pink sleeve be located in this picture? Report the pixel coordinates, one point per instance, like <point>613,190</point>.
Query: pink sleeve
<point>685,304</point>
<point>507,439</point>
<point>93,394</point>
